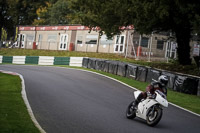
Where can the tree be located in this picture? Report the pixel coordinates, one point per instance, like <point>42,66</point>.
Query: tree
<point>17,12</point>
<point>3,35</point>
<point>54,12</point>
<point>179,17</point>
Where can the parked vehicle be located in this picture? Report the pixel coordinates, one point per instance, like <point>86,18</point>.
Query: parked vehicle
<point>150,109</point>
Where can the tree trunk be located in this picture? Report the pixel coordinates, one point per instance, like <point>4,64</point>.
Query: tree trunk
<point>183,40</point>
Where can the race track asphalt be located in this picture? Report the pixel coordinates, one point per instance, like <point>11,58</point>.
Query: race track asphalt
<point>67,100</point>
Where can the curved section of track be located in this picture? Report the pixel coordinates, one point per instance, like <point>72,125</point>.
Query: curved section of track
<point>72,101</point>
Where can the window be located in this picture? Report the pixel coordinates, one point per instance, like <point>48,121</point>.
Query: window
<point>160,44</point>
<point>144,42</point>
<point>91,39</point>
<point>104,40</point>
<point>119,44</point>
<point>79,40</point>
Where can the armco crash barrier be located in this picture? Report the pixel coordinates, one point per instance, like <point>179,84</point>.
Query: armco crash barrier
<point>152,75</point>
<point>186,84</point>
<point>31,59</point>
<point>61,60</point>
<point>46,60</point>
<point>19,59</point>
<point>76,61</point>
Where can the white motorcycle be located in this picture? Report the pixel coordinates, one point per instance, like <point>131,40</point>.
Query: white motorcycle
<point>149,109</point>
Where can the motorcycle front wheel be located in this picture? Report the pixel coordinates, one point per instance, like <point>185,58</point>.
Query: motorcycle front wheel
<point>153,117</point>
<point>131,111</point>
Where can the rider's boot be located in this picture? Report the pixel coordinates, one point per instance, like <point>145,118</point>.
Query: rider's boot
<point>138,100</point>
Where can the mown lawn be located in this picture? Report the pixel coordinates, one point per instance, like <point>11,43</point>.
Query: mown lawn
<point>14,117</point>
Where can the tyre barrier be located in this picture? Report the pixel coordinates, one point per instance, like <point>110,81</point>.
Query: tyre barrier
<point>76,61</point>
<point>19,59</point>
<point>1,58</point>
<point>178,82</point>
<point>61,60</point>
<point>42,60</point>
<point>131,71</point>
<point>46,60</point>
<point>31,59</point>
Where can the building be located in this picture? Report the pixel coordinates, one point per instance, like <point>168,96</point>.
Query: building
<point>80,38</point>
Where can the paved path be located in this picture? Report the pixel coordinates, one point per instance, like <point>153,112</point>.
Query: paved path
<point>72,101</point>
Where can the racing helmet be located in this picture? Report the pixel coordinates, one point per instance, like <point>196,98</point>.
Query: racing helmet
<point>163,80</point>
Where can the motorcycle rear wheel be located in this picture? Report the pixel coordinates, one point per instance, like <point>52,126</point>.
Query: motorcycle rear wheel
<point>155,117</point>
<point>131,111</point>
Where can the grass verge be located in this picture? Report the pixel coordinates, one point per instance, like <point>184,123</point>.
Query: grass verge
<point>14,117</point>
<point>171,66</point>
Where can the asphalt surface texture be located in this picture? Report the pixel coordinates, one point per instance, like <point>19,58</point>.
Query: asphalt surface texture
<point>67,100</point>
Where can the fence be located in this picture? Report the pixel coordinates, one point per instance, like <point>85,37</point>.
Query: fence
<point>177,82</point>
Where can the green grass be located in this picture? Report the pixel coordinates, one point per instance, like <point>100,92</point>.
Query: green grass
<point>186,101</point>
<point>14,117</point>
<point>171,66</point>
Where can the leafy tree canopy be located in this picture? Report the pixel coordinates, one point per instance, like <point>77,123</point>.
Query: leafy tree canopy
<point>179,17</point>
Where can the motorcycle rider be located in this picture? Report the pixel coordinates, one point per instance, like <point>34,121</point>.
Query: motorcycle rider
<point>151,88</point>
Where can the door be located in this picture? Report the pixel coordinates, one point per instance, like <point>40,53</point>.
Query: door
<point>171,49</point>
<point>63,42</point>
<point>119,44</point>
<point>21,40</point>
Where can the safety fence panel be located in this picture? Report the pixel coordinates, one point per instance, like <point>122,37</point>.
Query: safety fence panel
<point>46,60</point>
<point>113,67</point>
<point>76,61</point>
<point>91,63</point>
<point>7,59</point>
<point>141,73</point>
<point>1,58</point>
<point>19,59</point>
<point>152,75</point>
<point>31,59</point>
<point>186,84</point>
<point>99,64</point>
<point>131,71</point>
<point>105,66</point>
<point>85,62</point>
<point>61,60</point>
<point>171,79</point>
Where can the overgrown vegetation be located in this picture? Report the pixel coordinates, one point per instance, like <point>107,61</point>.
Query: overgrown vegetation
<point>171,66</point>
<point>14,117</point>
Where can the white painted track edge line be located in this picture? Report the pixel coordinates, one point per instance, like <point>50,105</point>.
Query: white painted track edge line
<point>132,88</point>
<point>24,96</point>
